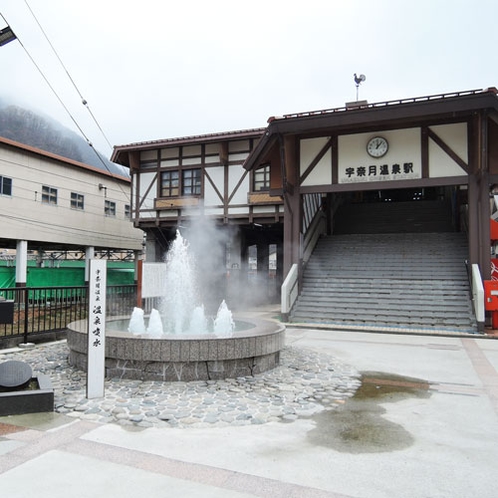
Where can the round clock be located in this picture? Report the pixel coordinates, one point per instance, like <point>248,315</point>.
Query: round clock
<point>377,147</point>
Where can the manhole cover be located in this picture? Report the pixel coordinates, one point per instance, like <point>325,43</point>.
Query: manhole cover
<point>14,374</point>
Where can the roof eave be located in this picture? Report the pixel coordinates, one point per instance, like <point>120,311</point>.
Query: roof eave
<point>56,157</point>
<point>119,153</point>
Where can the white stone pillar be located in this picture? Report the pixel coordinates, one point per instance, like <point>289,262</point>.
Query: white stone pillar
<point>89,254</point>
<point>21,263</point>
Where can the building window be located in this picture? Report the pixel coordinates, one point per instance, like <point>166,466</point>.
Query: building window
<point>261,181</point>
<point>5,185</point>
<point>127,211</point>
<point>77,201</point>
<point>191,182</point>
<point>169,183</point>
<point>49,195</point>
<point>110,208</point>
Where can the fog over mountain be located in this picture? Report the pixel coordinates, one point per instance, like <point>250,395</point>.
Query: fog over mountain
<point>27,127</point>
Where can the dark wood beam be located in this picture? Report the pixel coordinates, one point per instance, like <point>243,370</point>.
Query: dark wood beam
<point>425,151</point>
<point>316,160</point>
<point>439,141</point>
<point>397,184</point>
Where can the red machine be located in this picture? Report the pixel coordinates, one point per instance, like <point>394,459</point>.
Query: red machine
<point>491,300</point>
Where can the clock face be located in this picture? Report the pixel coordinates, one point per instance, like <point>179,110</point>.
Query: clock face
<point>377,147</point>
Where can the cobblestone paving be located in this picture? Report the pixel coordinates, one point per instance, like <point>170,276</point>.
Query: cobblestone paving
<point>305,383</point>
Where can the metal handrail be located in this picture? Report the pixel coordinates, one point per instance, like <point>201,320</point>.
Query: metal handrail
<point>39,311</point>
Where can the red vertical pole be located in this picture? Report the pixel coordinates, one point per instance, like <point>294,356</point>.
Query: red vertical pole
<point>494,320</point>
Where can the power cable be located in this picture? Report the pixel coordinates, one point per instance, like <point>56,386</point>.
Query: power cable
<point>53,227</point>
<point>83,100</point>
<point>61,101</point>
<point>88,141</point>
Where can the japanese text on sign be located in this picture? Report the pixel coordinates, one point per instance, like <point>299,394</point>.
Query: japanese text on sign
<point>96,329</point>
<point>379,172</point>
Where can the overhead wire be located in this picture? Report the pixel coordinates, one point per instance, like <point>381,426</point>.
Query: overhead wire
<point>54,91</point>
<point>54,227</point>
<point>83,100</point>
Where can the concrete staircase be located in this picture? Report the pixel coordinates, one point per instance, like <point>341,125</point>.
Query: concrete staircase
<point>408,281</point>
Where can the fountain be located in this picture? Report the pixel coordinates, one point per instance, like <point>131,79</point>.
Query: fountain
<point>180,343</point>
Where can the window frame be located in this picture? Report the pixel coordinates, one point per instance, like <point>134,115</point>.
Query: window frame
<point>77,201</point>
<point>109,208</point>
<point>3,187</point>
<point>49,195</point>
<point>194,183</point>
<point>169,185</point>
<point>174,183</point>
<point>265,183</point>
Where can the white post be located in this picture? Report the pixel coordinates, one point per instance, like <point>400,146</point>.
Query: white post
<point>21,263</point>
<point>478,296</point>
<point>89,255</point>
<point>96,329</point>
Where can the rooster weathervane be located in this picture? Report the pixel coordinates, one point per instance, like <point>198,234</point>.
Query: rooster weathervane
<point>358,80</point>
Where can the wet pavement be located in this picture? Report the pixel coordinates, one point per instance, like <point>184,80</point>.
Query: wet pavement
<point>423,423</point>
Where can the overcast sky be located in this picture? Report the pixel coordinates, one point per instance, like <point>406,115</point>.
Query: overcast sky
<point>153,69</point>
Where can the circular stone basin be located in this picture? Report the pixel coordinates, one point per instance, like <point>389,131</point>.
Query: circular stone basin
<point>253,349</point>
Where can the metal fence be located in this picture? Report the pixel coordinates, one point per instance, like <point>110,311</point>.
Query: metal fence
<point>40,311</point>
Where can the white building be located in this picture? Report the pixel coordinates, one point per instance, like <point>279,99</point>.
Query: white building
<point>48,202</point>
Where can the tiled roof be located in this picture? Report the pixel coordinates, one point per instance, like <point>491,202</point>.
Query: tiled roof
<point>352,106</point>
<point>209,137</point>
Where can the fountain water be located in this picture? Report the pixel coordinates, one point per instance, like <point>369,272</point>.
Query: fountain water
<point>180,309</point>
<point>179,343</point>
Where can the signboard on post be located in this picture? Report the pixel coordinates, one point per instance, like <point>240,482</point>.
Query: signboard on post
<point>153,278</point>
<point>96,329</point>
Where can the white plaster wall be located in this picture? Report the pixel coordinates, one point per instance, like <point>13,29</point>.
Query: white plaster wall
<point>170,213</point>
<point>322,172</point>
<point>238,146</point>
<point>148,214</point>
<point>440,163</point>
<point>404,147</point>
<point>213,211</point>
<point>146,179</point>
<point>235,173</point>
<point>217,174</point>
<point>263,209</point>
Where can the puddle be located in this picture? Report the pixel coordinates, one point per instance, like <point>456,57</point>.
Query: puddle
<point>358,426</point>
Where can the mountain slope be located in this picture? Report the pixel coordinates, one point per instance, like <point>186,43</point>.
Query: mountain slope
<point>29,128</point>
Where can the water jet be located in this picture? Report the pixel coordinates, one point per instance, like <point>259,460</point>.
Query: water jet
<point>177,345</point>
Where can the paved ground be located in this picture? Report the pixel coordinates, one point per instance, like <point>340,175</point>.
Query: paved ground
<point>424,424</point>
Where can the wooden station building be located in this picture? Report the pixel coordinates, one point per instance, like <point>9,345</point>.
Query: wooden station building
<point>373,187</point>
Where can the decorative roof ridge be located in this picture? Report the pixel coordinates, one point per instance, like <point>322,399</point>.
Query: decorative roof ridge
<point>362,105</point>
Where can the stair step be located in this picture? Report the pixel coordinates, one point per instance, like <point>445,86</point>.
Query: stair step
<point>409,280</point>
